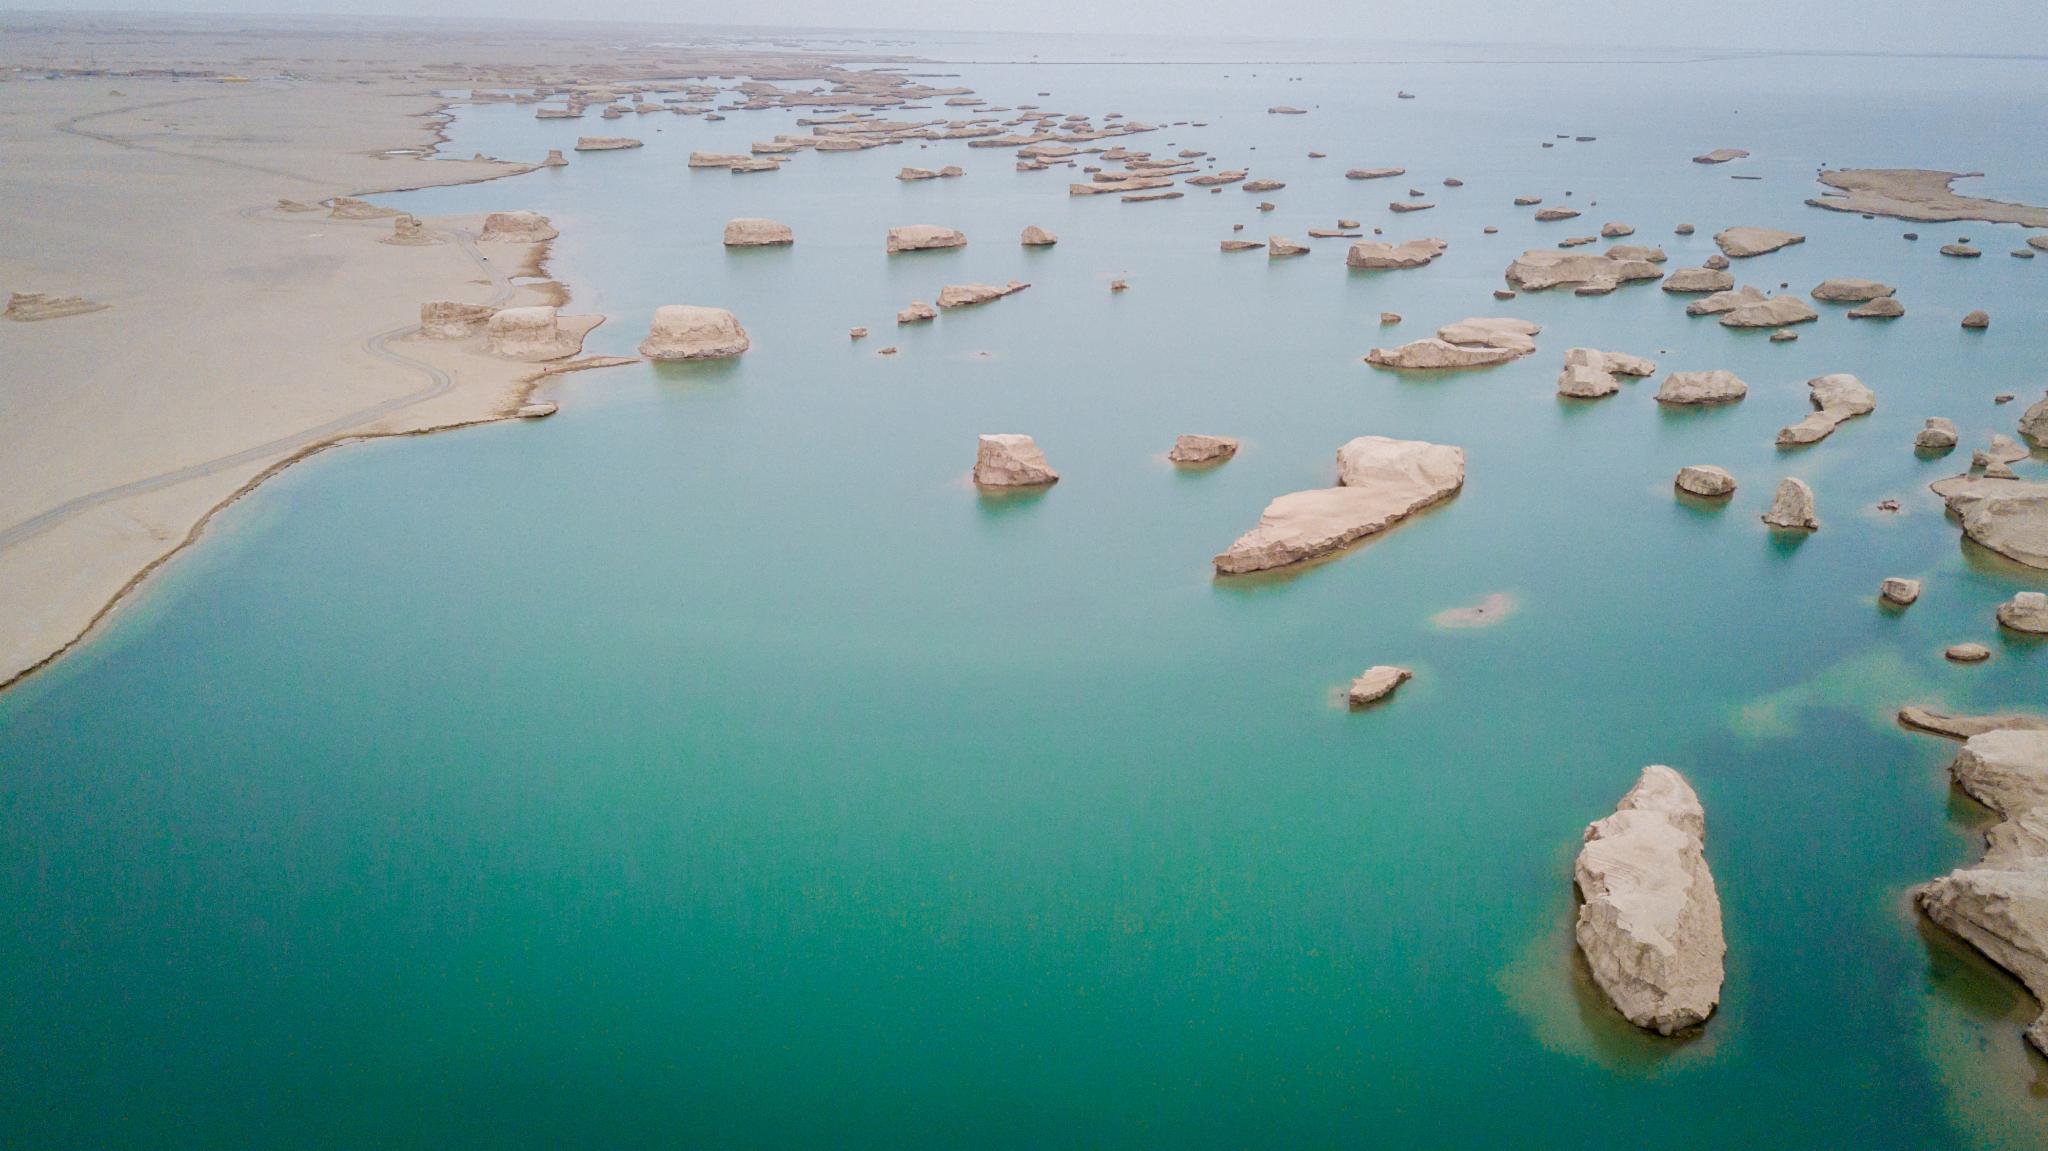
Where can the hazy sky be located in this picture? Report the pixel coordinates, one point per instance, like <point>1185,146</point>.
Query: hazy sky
<point>1992,26</point>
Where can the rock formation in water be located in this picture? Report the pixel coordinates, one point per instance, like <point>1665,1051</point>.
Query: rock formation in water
<point>1939,435</point>
<point>2000,904</point>
<point>2026,611</point>
<point>1850,290</point>
<point>555,159</point>
<point>1037,237</point>
<point>1698,280</point>
<point>1978,320</point>
<point>517,228</point>
<point>1548,215</point>
<point>1720,156</point>
<point>1882,308</point>
<point>2007,516</point>
<point>1011,461</point>
<point>1792,507</point>
<point>1715,387</point>
<point>1918,194</point>
<point>1589,373</point>
<point>1199,449</point>
<point>1649,919</point>
<point>28,307</point>
<point>917,313</point>
<point>1741,243</point>
<point>1376,684</point>
<point>1217,179</point>
<point>1899,591</point>
<point>754,232</point>
<point>1705,481</point>
<point>605,143</point>
<point>1775,312</point>
<point>689,332</point>
<point>1540,268</point>
<point>967,295</point>
<point>717,159</point>
<point>1835,398</point>
<point>1380,482</point>
<point>1471,343</point>
<point>1372,254</point>
<point>2034,423</point>
<point>1960,727</point>
<point>536,334</point>
<point>448,320</point>
<point>920,237</point>
<point>1374,173</point>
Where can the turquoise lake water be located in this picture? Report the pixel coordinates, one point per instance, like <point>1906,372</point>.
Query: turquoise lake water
<point>709,765</point>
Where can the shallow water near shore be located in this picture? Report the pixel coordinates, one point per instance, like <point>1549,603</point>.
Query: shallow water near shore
<point>710,765</point>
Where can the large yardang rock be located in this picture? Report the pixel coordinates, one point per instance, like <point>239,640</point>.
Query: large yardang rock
<point>1549,215</point>
<point>350,208</point>
<point>2008,516</point>
<point>1280,246</point>
<point>517,228</point>
<point>1882,308</point>
<point>1371,254</point>
<point>1380,482</point>
<point>2026,612</point>
<point>605,143</point>
<point>1650,918</point>
<point>1775,312</point>
<point>688,332</point>
<point>1705,481</point>
<point>2034,423</point>
<point>1199,449</point>
<point>1218,179</point>
<point>1589,373</point>
<point>1721,303</point>
<point>1836,397</point>
<point>537,333</point>
<point>1939,435</point>
<point>967,295</point>
<point>1503,332</point>
<point>1720,156</point>
<point>2000,905</point>
<point>1698,280</point>
<point>1792,507</point>
<point>1011,461</point>
<point>1715,387</point>
<point>555,159</point>
<point>753,232</point>
<point>922,237</point>
<point>1848,290</point>
<point>1434,355</point>
<point>1373,173</point>
<point>1918,194</point>
<point>718,159</point>
<point>1739,243</point>
<point>1037,237</point>
<point>1646,252</point>
<point>1377,683</point>
<point>917,312</point>
<point>1540,268</point>
<point>448,320</point>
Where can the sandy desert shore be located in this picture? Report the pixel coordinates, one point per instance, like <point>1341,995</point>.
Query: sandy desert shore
<point>145,161</point>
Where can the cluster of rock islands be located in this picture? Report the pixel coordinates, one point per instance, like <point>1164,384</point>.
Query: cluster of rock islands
<point>1649,917</point>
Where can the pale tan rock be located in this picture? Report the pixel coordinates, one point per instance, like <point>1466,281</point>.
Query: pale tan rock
<point>1380,481</point>
<point>536,334</point>
<point>857,333</point>
<point>1508,334</point>
<point>1390,318</point>
<point>1899,590</point>
<point>1242,245</point>
<point>1882,308</point>
<point>1546,215</point>
<point>1374,173</point>
<point>2007,516</point>
<point>1372,254</point>
<point>1961,251</point>
<point>1011,461</point>
<point>1775,312</point>
<point>408,231</point>
<point>2000,905</point>
<point>1217,179</point>
<point>1278,246</point>
<point>1835,398</point>
<point>690,332</point>
<point>1649,922</point>
<point>1715,387</point>
<point>1967,652</point>
<point>1589,373</point>
<point>1409,206</point>
<point>717,159</point>
<point>1939,435</point>
<point>1649,253</point>
<point>1741,243</point>
<point>605,143</point>
<point>754,232</point>
<point>2034,423</point>
<point>1721,303</point>
<point>1037,237</point>
<point>1614,230</point>
<point>1792,507</point>
<point>1848,289</point>
<point>2026,611</point>
<point>1436,355</point>
<point>517,228</point>
<point>1377,683</point>
<point>921,237</point>
<point>1541,268</point>
<point>1200,449</point>
<point>1955,726</point>
<point>917,312</point>
<point>350,208</point>
<point>1978,320</point>
<point>1698,280</point>
<point>1720,156</point>
<point>448,320</point>
<point>1704,480</point>
<point>538,410</point>
<point>555,159</point>
<point>1263,185</point>
<point>967,295</point>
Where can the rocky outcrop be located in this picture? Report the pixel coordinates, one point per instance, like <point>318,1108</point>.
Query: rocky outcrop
<point>1835,398</point>
<point>2008,516</point>
<point>2000,905</point>
<point>1199,449</point>
<point>1721,303</point>
<point>1540,268</point>
<point>408,231</point>
<point>1792,507</point>
<point>1848,289</point>
<point>1011,461</point>
<point>1939,435</point>
<point>555,159</point>
<point>2034,423</point>
<point>1374,173</point>
<point>1705,481</point>
<point>28,307</point>
<point>1506,333</point>
<point>1954,726</point>
<point>1961,251</point>
<point>1775,312</point>
<point>718,159</point>
<point>1699,280</point>
<point>1720,156</point>
<point>517,228</point>
<point>1377,683</point>
<point>448,320</point>
<point>688,332</point>
<point>606,143</point>
<point>1548,215</point>
<point>536,334</point>
<point>1242,245</point>
<point>1218,179</point>
<point>1715,387</point>
<point>1918,194</point>
<point>1899,591</point>
<point>2026,611</point>
<point>1037,237</point>
<point>1278,246</point>
<point>1979,320</point>
<point>1589,373</point>
<point>1741,243</point>
<point>1471,343</point>
<point>1380,482</point>
<point>1649,919</point>
<point>754,232</point>
<point>350,208</point>
<point>917,313</point>
<point>1372,254</point>
<point>921,237</point>
<point>1882,308</point>
<point>967,295</point>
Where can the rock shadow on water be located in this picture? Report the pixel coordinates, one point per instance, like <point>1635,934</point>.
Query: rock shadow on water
<point>998,503</point>
<point>1692,507</point>
<point>1784,543</point>
<point>1994,1084</point>
<point>696,373</point>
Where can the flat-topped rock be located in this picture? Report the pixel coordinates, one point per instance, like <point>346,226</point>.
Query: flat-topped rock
<point>1548,215</point>
<point>1589,373</point>
<point>1648,253</point>
<point>1918,194</point>
<point>1011,461</point>
<point>1699,280</point>
<point>1436,355</point>
<point>1720,156</point>
<point>1649,920</point>
<point>1744,242</point>
<point>1848,289</point>
<point>2007,516</point>
<point>1374,173</point>
<point>449,320</point>
<point>1899,591</point>
<point>718,159</point>
<point>1835,398</point>
<point>517,228</point>
<point>753,232</point>
<point>1199,449</point>
<point>922,237</point>
<point>1705,481</point>
<point>1939,435</point>
<point>1376,684</point>
<point>1715,387</point>
<point>1792,507</point>
<point>536,334</point>
<point>1540,268</point>
<point>1775,312</point>
<point>968,295</point>
<point>1380,482</point>
<point>916,313</point>
<point>1956,726</point>
<point>29,307</point>
<point>1278,246</point>
<point>1507,333</point>
<point>1882,308</point>
<point>1978,320</point>
<point>605,143</point>
<point>690,332</point>
<point>1242,245</point>
<point>2000,905</point>
<point>1963,251</point>
<point>1372,254</point>
<point>2026,611</point>
<point>1037,237</point>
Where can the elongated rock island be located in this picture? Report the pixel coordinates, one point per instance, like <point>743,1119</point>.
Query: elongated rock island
<point>1380,482</point>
